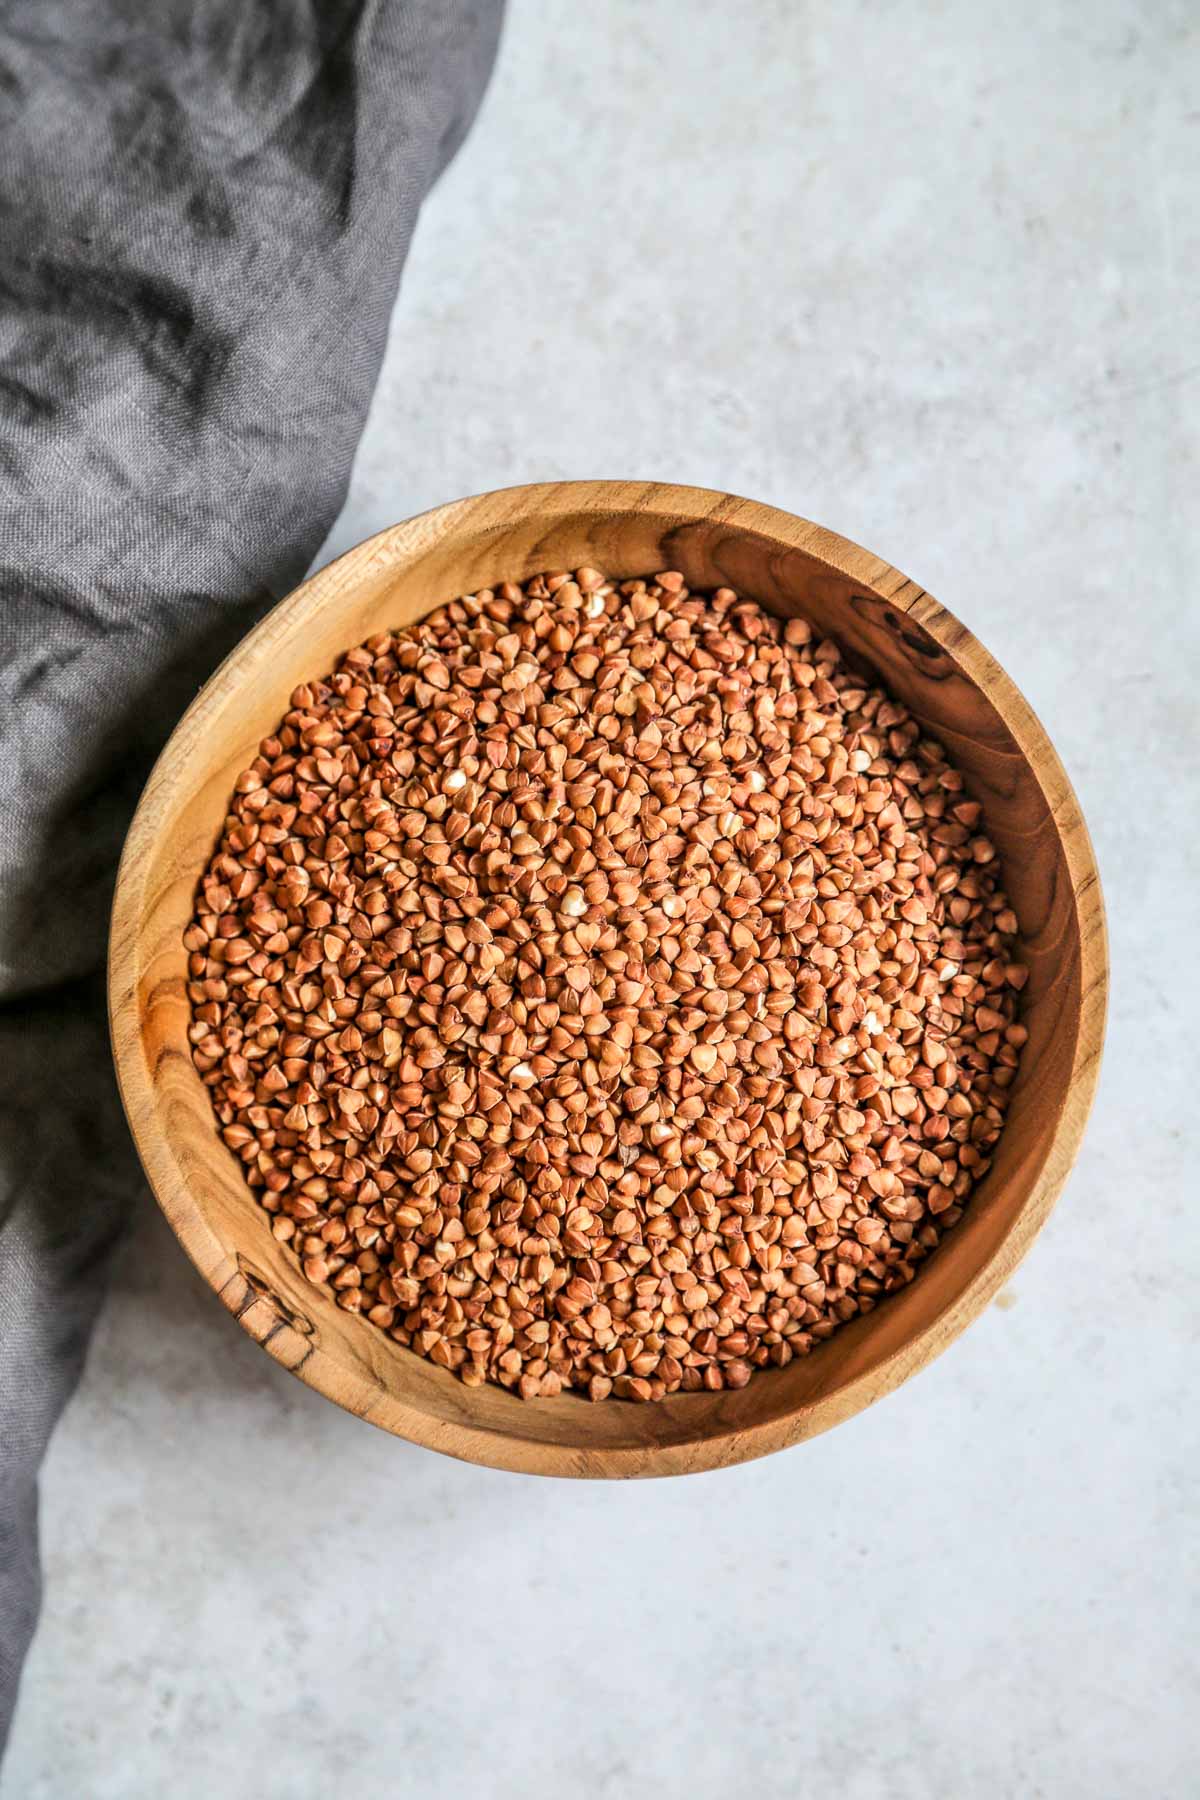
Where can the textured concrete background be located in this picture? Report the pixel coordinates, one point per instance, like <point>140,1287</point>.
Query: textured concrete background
<point>927,273</point>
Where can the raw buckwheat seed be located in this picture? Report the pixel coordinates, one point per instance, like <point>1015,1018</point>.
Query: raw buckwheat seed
<point>604,987</point>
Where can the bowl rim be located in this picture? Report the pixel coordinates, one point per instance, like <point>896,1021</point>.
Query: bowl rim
<point>349,1387</point>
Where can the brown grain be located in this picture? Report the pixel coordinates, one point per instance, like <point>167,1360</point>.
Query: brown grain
<point>604,987</point>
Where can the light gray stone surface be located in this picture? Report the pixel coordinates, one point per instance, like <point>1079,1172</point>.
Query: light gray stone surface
<point>927,273</point>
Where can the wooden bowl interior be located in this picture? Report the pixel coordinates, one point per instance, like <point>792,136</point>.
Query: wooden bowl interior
<point>919,653</point>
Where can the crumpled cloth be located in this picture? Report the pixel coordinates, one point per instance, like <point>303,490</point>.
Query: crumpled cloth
<point>204,210</point>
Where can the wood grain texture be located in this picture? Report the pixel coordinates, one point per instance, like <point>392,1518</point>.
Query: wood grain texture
<point>920,652</point>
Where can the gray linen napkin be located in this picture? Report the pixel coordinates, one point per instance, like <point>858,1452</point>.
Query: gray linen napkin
<point>204,210</point>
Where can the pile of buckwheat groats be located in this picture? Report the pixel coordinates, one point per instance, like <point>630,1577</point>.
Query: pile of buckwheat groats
<point>604,988</point>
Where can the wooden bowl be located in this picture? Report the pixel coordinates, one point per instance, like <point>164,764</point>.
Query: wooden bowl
<point>921,653</point>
